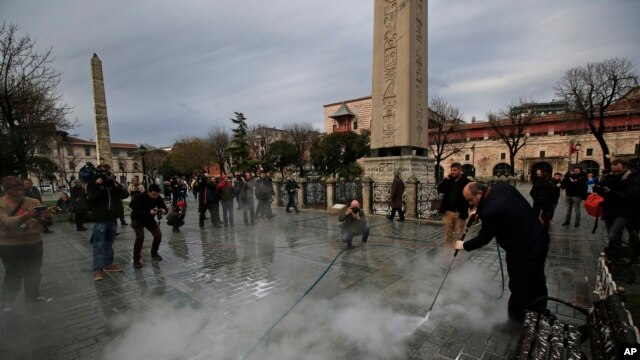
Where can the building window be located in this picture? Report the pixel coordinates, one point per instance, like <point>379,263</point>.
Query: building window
<point>621,128</point>
<point>130,153</point>
<point>355,125</point>
<point>115,153</point>
<point>135,166</point>
<point>503,156</point>
<point>69,151</point>
<point>467,157</point>
<point>637,149</point>
<point>635,127</point>
<point>72,165</point>
<point>589,152</point>
<point>543,154</point>
<point>87,151</point>
<point>334,128</point>
<point>44,150</point>
<point>121,166</point>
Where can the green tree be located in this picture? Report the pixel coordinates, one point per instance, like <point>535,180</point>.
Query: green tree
<point>31,109</point>
<point>280,155</point>
<point>336,153</point>
<point>239,148</point>
<point>590,91</point>
<point>189,155</point>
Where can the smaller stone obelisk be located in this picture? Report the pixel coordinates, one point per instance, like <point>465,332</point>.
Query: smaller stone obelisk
<point>103,139</point>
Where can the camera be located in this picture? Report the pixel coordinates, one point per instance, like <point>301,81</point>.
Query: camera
<point>355,209</point>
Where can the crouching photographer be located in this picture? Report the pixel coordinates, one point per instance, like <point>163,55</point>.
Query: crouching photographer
<point>354,224</point>
<point>104,198</point>
<point>144,209</point>
<point>621,191</point>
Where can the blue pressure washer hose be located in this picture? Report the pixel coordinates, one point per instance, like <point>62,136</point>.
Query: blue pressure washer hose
<point>264,335</point>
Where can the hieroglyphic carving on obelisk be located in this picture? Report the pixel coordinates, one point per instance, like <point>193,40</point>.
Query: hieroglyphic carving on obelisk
<point>103,139</point>
<point>399,86</point>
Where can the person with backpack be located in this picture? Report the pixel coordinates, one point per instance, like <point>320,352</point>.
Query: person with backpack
<point>543,195</point>
<point>621,193</point>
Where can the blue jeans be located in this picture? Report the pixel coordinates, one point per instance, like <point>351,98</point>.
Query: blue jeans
<point>292,201</point>
<point>227,211</point>
<point>104,232</point>
<point>348,234</point>
<point>615,227</point>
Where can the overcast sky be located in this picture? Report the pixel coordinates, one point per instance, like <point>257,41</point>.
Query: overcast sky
<point>175,68</point>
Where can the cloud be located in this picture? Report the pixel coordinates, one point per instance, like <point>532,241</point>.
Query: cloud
<point>280,61</point>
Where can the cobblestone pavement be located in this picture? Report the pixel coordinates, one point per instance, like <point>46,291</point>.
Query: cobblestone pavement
<point>219,289</point>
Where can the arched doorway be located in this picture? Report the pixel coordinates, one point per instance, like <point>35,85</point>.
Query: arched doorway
<point>469,170</point>
<point>502,169</point>
<point>542,165</point>
<point>590,166</point>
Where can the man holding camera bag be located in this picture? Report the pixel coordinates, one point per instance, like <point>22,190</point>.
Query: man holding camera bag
<point>354,223</point>
<point>104,198</point>
<point>20,243</point>
<point>144,208</point>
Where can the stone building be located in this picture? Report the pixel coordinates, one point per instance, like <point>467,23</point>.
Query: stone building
<point>70,154</point>
<point>553,140</point>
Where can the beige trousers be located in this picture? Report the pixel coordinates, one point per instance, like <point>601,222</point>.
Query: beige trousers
<point>453,227</point>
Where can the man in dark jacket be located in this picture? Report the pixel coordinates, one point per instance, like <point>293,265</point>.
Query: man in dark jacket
<point>225,188</point>
<point>354,223</point>
<point>208,199</point>
<point>397,189</point>
<point>543,194</point>
<point>454,208</point>
<point>291,187</point>
<point>144,208</point>
<point>507,216</point>
<point>78,204</point>
<point>264,194</point>
<point>246,198</point>
<point>104,198</point>
<point>575,186</point>
<point>621,193</point>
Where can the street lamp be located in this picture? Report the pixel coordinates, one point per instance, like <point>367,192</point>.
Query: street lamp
<point>142,151</point>
<point>578,146</point>
<point>154,173</point>
<point>473,159</point>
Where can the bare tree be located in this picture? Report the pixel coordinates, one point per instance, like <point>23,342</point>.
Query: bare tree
<point>510,126</point>
<point>591,90</point>
<point>260,139</point>
<point>301,135</point>
<point>444,127</point>
<point>219,141</point>
<point>190,154</point>
<point>31,109</point>
<point>153,160</point>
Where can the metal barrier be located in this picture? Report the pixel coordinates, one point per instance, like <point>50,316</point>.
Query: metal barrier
<point>428,202</point>
<point>346,191</point>
<point>315,194</point>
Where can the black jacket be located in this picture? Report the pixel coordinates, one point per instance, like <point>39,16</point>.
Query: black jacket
<point>105,203</point>
<point>575,185</point>
<point>461,205</point>
<point>621,201</point>
<point>141,206</point>
<point>507,216</point>
<point>543,194</point>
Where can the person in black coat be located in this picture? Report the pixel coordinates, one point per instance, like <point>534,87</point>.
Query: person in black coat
<point>78,204</point>
<point>621,193</point>
<point>454,208</point>
<point>575,186</point>
<point>507,216</point>
<point>144,208</point>
<point>543,195</point>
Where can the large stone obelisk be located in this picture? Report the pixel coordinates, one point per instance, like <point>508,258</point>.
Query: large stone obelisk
<point>103,139</point>
<point>399,118</point>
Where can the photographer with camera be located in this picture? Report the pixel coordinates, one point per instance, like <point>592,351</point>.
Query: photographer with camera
<point>104,198</point>
<point>621,209</point>
<point>22,222</point>
<point>354,224</point>
<point>144,209</point>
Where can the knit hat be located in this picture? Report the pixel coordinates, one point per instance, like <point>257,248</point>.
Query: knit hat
<point>181,204</point>
<point>11,182</point>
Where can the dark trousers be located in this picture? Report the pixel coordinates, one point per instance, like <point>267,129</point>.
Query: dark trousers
<point>400,213</point>
<point>138,228</point>
<point>264,208</point>
<point>527,283</point>
<point>544,214</point>
<point>227,212</point>
<point>214,212</point>
<point>349,233</point>
<point>79,219</point>
<point>292,202</point>
<point>248,206</point>
<point>22,265</point>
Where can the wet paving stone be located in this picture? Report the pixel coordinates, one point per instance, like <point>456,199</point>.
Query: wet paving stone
<point>239,280</point>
